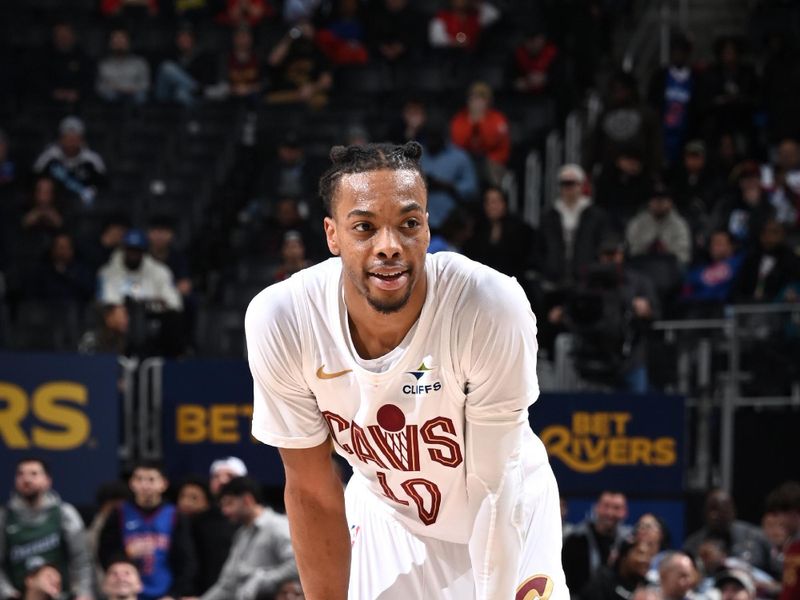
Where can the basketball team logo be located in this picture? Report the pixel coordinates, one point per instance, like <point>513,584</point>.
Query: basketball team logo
<point>538,586</point>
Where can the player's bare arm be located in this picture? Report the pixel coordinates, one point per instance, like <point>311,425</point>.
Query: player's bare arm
<point>315,507</point>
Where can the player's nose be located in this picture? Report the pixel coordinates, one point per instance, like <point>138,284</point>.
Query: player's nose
<point>387,242</point>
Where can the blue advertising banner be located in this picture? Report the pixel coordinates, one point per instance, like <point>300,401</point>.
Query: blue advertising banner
<point>630,443</point>
<point>64,409</point>
<point>207,410</point>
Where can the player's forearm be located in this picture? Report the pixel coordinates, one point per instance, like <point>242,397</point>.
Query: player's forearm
<point>321,542</point>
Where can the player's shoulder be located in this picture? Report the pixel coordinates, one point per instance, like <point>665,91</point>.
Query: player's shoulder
<point>279,302</point>
<point>479,287</point>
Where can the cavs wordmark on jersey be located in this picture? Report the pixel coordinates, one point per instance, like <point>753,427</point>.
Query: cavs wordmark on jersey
<point>398,419</point>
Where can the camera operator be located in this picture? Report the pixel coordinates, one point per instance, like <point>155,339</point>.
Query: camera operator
<point>608,313</point>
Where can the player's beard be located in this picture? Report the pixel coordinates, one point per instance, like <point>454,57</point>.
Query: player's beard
<point>387,306</point>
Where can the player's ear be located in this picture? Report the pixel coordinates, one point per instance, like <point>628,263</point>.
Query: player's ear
<point>330,235</point>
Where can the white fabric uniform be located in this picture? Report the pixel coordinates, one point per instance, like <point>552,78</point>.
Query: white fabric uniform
<point>403,422</point>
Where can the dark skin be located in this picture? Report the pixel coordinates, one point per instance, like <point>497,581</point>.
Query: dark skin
<point>379,228</point>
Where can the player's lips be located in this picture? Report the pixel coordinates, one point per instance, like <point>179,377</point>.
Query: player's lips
<point>389,279</point>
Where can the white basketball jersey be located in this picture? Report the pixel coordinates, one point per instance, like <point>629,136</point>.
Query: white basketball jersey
<point>400,419</point>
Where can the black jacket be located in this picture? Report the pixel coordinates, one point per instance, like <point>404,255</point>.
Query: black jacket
<point>592,227</point>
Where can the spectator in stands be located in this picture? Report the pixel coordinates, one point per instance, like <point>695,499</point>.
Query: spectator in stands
<point>129,8</point>
<point>768,268</point>
<point>536,65</point>
<point>110,335</point>
<point>713,555</point>
<point>153,535</point>
<point>97,251</point>
<point>287,170</point>
<point>502,240</point>
<point>461,24</point>
<point>108,497</point>
<point>710,282</point>
<point>244,12</point>
<point>42,580</point>
<point>122,580</point>
<point>729,92</point>
<point>394,29</point>
<point>290,589</point>
<point>132,273</point>
<point>162,247</point>
<point>627,125</point>
<point>622,188</point>
<point>744,540</point>
<point>788,502</point>
<point>266,238</point>
<point>194,497</point>
<point>651,530</point>
<point>780,85</point>
<point>61,277</point>
<point>620,580</point>
<point>454,234</point>
<point>261,555</point>
<point>594,542</point>
<point>223,470</point>
<point>299,73</point>
<point>213,533</point>
<point>293,256</point>
<point>571,230</point>
<point>69,161</point>
<point>660,230</point>
<point>412,124</point>
<point>673,93</point>
<point>483,132</point>
<point>43,216</point>
<point>677,576</point>
<point>341,36</point>
<point>735,584</point>
<point>68,72</point>
<point>785,189</point>
<point>122,76</point>
<point>450,175</point>
<point>37,523</point>
<point>185,76</point>
<point>745,211</point>
<point>695,189</point>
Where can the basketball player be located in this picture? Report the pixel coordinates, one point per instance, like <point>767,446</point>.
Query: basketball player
<point>420,368</point>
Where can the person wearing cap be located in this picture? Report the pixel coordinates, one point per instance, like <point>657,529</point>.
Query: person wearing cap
<point>659,229</point>
<point>747,208</point>
<point>36,523</point>
<point>483,132</point>
<point>122,580</point>
<point>132,273</point>
<point>223,470</point>
<point>122,76</point>
<point>79,170</point>
<point>735,584</point>
<point>571,230</point>
<point>42,580</point>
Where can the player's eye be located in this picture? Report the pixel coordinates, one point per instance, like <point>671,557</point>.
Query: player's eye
<point>412,223</point>
<point>362,227</point>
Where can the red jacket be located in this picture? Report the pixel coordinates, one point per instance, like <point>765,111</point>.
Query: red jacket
<point>488,137</point>
<point>527,64</point>
<point>455,23</point>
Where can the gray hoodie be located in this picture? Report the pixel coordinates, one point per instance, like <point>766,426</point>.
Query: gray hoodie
<point>73,538</point>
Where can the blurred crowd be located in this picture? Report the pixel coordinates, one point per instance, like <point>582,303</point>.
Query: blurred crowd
<point>159,160</point>
<point>215,537</point>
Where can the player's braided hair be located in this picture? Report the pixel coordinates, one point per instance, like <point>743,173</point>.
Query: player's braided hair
<point>364,158</point>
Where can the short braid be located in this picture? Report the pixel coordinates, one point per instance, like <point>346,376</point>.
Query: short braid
<point>365,158</point>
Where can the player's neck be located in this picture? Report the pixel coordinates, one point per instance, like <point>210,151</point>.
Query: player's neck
<point>375,333</point>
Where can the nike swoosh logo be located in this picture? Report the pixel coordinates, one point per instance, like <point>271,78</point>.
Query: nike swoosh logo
<point>321,374</point>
